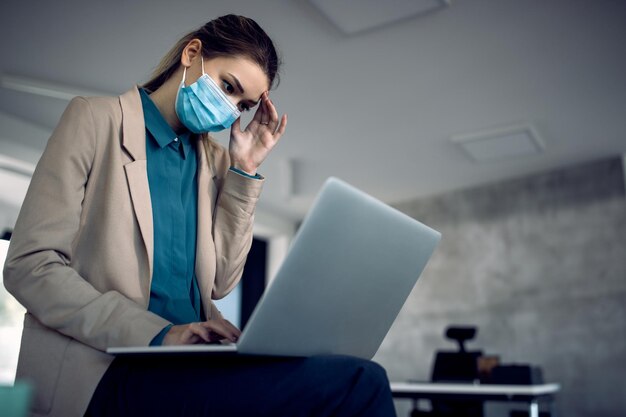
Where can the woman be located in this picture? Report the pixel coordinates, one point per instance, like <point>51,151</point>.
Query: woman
<point>135,220</point>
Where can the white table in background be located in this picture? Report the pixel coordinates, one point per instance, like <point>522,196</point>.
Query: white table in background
<point>530,394</point>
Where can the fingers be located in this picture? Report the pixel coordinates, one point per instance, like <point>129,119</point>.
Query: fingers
<point>208,331</point>
<point>233,329</point>
<point>266,115</point>
<point>271,113</point>
<point>283,125</point>
<point>277,128</point>
<point>223,328</point>
<point>194,333</point>
<point>258,115</point>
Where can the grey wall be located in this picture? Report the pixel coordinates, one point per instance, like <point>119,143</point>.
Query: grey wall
<point>539,264</point>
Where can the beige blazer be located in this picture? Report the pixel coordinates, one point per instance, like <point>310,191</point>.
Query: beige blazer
<point>81,255</point>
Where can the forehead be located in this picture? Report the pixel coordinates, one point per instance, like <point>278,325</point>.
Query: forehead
<point>249,73</point>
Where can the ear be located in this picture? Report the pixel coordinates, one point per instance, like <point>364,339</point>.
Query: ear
<point>191,52</point>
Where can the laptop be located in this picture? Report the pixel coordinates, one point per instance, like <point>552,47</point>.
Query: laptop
<point>348,272</point>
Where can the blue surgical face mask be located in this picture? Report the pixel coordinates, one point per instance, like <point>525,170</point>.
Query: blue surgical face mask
<point>203,106</point>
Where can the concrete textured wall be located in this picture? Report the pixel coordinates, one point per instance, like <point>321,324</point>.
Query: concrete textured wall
<point>539,265</point>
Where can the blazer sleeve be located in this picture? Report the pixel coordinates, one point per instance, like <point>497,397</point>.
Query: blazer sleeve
<point>38,269</point>
<point>233,221</point>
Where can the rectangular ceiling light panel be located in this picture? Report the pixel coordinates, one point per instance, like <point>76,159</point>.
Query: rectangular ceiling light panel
<point>352,16</point>
<point>501,143</point>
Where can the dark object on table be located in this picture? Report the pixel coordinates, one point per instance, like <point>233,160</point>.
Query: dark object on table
<point>486,364</point>
<point>516,375</point>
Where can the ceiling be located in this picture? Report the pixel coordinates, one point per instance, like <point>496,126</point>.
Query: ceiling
<point>376,108</point>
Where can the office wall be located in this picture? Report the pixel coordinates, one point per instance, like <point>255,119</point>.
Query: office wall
<point>539,265</point>
<point>8,215</point>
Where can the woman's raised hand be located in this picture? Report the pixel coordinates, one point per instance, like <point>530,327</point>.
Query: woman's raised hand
<point>249,148</point>
<point>202,332</point>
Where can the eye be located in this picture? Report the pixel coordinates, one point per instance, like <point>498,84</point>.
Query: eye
<point>244,107</point>
<point>228,87</point>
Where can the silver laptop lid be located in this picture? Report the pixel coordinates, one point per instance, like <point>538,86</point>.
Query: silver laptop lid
<point>348,272</point>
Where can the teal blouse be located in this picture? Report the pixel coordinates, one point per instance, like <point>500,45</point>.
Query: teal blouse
<point>172,176</point>
<point>173,181</point>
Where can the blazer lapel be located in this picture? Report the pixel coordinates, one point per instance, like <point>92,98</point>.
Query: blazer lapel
<point>134,142</point>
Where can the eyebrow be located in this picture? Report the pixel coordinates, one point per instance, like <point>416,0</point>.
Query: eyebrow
<point>240,87</point>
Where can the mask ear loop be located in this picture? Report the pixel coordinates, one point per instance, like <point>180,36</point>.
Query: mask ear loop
<point>185,70</point>
<point>182,82</point>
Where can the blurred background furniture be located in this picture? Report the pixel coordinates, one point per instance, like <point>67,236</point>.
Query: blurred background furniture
<point>532,395</point>
<point>462,380</point>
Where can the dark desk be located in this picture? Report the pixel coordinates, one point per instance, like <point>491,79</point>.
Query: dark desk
<point>530,394</point>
